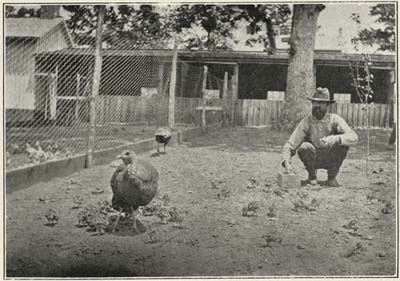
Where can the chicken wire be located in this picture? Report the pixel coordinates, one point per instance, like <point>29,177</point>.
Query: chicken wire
<point>47,99</point>
<point>196,88</point>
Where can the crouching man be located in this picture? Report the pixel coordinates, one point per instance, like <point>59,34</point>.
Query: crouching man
<point>321,140</point>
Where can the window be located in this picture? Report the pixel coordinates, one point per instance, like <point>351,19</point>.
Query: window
<point>342,97</point>
<point>276,95</point>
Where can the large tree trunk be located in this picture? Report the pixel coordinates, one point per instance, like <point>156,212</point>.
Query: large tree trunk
<point>300,76</point>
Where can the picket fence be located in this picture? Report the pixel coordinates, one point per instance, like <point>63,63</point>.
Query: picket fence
<point>247,112</point>
<point>266,112</point>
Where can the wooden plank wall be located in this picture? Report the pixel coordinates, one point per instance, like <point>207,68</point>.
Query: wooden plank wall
<point>248,112</point>
<point>266,112</point>
<point>355,114</point>
<point>259,112</point>
<point>131,109</point>
<point>185,108</point>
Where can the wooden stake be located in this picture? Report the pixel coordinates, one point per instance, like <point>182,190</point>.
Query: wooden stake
<point>95,88</point>
<point>235,82</point>
<point>203,91</point>
<point>172,86</point>
<point>77,105</point>
<point>224,97</point>
<point>160,93</point>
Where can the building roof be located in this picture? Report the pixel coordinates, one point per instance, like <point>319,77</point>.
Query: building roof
<point>30,27</point>
<point>324,57</point>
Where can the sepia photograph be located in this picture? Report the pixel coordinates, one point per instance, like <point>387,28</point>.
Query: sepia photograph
<point>208,140</point>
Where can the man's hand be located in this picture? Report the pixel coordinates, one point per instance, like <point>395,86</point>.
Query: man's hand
<point>330,141</point>
<point>288,167</point>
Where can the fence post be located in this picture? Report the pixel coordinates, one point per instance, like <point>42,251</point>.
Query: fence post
<point>203,92</point>
<point>77,105</point>
<point>160,93</point>
<point>224,97</point>
<point>95,88</point>
<point>172,86</point>
<point>235,82</point>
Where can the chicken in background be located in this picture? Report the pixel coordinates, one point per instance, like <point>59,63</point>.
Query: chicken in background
<point>165,199</point>
<point>134,183</point>
<point>176,217</point>
<point>152,236</point>
<point>43,156</point>
<point>78,201</point>
<point>250,210</point>
<point>162,214</point>
<point>14,148</point>
<point>163,135</point>
<point>52,147</point>
<point>95,217</point>
<point>30,150</point>
<point>272,211</point>
<point>52,217</point>
<point>151,209</point>
<point>36,155</point>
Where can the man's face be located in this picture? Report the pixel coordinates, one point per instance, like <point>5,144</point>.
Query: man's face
<point>319,109</point>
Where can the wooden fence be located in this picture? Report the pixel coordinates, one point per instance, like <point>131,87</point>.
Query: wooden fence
<point>132,109</point>
<point>248,112</point>
<point>185,108</point>
<point>266,112</point>
<point>355,114</point>
<point>257,112</point>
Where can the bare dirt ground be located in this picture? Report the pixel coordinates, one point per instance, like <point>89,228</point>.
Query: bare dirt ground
<point>315,231</point>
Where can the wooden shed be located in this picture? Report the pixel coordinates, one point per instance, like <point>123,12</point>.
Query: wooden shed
<point>253,76</point>
<point>24,38</point>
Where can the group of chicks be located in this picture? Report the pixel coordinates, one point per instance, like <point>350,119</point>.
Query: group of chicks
<point>98,217</point>
<point>37,152</point>
<point>160,209</point>
<point>94,216</point>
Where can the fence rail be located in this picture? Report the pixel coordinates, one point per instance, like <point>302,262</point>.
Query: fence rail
<point>257,112</point>
<point>266,112</point>
<point>355,114</point>
<point>248,112</point>
<point>132,109</point>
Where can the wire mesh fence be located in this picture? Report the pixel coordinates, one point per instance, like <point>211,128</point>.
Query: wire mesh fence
<point>202,86</point>
<point>48,86</point>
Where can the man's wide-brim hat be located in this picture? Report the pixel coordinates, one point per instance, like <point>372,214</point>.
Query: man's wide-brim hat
<point>322,95</point>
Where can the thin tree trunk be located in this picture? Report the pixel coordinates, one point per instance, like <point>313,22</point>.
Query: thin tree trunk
<point>271,36</point>
<point>172,87</point>
<point>95,88</point>
<point>300,76</point>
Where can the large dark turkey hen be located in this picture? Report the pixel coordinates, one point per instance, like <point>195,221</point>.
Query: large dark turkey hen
<point>134,184</point>
<point>163,135</point>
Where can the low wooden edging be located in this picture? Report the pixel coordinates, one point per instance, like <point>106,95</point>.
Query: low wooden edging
<point>21,178</point>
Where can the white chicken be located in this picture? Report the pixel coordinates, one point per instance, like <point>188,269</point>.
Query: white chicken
<point>36,155</point>
<point>41,154</point>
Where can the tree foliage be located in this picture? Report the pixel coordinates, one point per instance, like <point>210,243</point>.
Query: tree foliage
<point>385,36</point>
<point>147,26</point>
<point>125,26</point>
<point>220,21</point>
<point>12,12</point>
<point>214,20</point>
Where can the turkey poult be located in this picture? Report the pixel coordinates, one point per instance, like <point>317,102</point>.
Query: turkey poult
<point>163,135</point>
<point>134,184</point>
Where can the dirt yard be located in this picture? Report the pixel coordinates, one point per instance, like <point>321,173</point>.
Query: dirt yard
<point>304,231</point>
